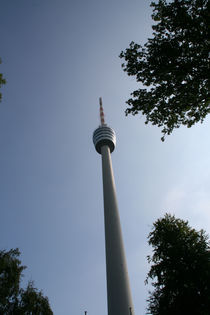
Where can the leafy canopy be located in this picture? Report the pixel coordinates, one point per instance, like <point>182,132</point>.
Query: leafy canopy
<point>13,299</point>
<point>180,269</point>
<point>2,82</point>
<point>173,66</point>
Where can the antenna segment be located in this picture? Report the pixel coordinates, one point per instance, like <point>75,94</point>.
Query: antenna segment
<point>101,112</point>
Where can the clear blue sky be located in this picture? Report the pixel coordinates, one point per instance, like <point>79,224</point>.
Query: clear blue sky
<point>58,57</point>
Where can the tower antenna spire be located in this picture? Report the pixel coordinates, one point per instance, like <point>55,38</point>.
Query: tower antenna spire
<point>101,112</point>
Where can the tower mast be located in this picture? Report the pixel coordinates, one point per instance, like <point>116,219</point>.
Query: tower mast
<point>118,288</point>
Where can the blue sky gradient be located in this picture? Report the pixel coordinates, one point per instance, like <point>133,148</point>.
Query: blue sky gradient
<point>58,58</point>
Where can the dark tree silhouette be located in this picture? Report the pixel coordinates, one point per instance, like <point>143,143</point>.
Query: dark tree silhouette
<point>173,66</point>
<point>180,269</point>
<point>2,81</point>
<point>13,299</point>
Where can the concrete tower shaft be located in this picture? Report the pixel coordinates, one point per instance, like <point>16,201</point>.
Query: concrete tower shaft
<point>118,288</point>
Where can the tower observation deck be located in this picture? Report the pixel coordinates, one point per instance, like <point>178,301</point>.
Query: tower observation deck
<point>118,288</point>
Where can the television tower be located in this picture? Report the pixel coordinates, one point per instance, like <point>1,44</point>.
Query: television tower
<point>118,288</point>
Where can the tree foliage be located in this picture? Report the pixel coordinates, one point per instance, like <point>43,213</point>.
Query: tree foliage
<point>173,66</point>
<point>14,299</point>
<point>2,82</point>
<point>180,269</point>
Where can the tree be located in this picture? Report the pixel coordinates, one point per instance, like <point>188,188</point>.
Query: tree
<point>180,269</point>
<point>13,299</point>
<point>2,81</point>
<point>173,66</point>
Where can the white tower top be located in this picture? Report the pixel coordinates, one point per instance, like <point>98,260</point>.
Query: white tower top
<point>104,135</point>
